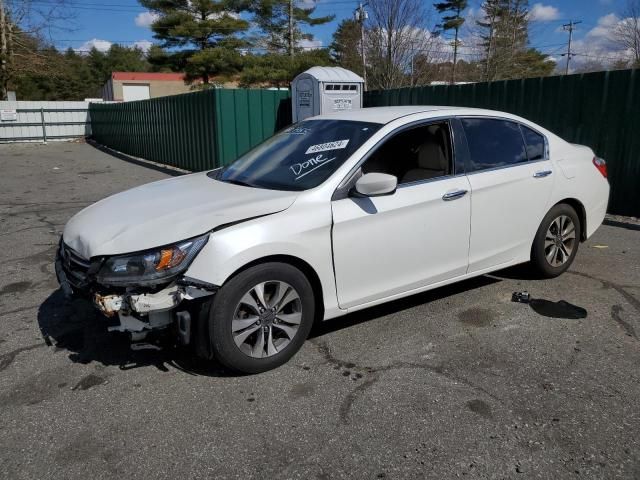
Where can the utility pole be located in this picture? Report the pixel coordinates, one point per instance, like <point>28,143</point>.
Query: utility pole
<point>291,28</point>
<point>569,27</point>
<point>360,16</point>
<point>4,56</point>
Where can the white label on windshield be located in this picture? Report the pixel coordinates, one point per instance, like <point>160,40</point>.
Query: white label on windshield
<point>323,147</point>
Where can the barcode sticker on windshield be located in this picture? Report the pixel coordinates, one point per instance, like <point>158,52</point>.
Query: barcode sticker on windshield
<point>323,147</point>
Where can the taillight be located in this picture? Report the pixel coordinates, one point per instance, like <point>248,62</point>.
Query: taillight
<point>601,165</point>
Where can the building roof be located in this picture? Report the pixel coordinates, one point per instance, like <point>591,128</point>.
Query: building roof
<point>333,74</point>
<point>166,77</point>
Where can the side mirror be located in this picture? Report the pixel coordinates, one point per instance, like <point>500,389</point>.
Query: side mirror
<point>376,185</point>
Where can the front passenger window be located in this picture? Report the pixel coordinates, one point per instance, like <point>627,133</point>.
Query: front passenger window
<point>420,153</point>
<point>493,143</point>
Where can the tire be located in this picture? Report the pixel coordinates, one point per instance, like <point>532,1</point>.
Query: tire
<point>551,253</point>
<point>248,340</point>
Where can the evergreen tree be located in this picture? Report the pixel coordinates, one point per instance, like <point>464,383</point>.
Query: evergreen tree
<point>453,20</point>
<point>117,59</point>
<point>345,47</point>
<point>278,69</point>
<point>505,38</point>
<point>200,37</point>
<point>281,21</point>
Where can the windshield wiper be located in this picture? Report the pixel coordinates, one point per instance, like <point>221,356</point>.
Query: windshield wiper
<point>239,182</point>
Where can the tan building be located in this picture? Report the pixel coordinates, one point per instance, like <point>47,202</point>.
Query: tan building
<point>127,86</point>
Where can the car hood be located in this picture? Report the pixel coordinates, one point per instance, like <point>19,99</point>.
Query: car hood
<point>165,212</point>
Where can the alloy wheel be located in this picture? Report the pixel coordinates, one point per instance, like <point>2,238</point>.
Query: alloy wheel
<point>266,319</point>
<point>559,241</point>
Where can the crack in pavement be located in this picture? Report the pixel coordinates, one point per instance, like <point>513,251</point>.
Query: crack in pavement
<point>8,358</point>
<point>18,310</point>
<point>633,301</point>
<point>375,372</point>
<point>616,309</point>
<point>615,314</point>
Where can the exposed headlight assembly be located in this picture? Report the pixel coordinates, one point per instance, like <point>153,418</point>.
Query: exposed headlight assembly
<point>152,266</point>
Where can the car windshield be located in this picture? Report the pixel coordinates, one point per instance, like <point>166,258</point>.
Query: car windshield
<point>300,157</point>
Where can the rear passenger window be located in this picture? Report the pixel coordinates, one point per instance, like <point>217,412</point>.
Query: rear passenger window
<point>535,143</point>
<point>493,143</point>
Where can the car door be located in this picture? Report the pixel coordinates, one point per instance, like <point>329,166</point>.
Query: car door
<point>511,180</point>
<point>419,235</point>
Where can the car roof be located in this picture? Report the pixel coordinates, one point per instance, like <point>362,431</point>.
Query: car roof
<point>388,114</point>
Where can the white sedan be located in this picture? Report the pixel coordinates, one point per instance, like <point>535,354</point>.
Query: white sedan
<point>332,215</point>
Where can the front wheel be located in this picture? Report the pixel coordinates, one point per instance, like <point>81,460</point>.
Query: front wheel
<point>556,242</point>
<point>261,317</point>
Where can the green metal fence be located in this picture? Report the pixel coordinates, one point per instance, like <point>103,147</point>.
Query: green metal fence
<point>195,131</point>
<point>601,110</point>
<point>202,130</point>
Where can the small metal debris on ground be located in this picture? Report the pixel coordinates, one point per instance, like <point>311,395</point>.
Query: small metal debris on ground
<point>600,246</point>
<point>547,308</point>
<point>520,297</point>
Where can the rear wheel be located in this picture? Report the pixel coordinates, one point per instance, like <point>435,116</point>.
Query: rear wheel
<point>556,242</point>
<point>261,317</point>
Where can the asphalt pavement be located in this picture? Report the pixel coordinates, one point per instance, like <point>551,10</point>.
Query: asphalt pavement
<point>456,382</point>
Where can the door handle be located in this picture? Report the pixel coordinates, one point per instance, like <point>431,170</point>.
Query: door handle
<point>542,174</point>
<point>454,195</point>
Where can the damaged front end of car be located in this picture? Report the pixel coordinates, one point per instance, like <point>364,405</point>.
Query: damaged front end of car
<point>145,291</point>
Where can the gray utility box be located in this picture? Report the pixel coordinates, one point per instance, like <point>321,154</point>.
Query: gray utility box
<point>322,90</point>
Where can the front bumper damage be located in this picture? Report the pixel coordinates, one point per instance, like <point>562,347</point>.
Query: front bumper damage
<point>141,313</point>
<point>140,310</point>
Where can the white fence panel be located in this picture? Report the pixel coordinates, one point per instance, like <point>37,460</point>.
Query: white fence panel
<point>43,121</point>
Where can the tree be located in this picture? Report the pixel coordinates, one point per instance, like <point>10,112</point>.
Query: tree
<point>200,37</point>
<point>504,39</point>
<point>491,11</point>
<point>531,63</point>
<point>44,73</point>
<point>396,33</point>
<point>23,25</point>
<point>117,59</point>
<point>453,21</point>
<point>282,22</point>
<point>592,65</point>
<point>278,69</point>
<point>627,32</point>
<point>345,47</point>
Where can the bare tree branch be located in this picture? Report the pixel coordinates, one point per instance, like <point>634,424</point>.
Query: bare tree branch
<point>627,32</point>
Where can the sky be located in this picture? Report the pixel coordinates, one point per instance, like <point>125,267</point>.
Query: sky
<point>101,23</point>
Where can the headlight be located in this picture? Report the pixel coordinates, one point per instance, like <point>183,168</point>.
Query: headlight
<point>152,266</point>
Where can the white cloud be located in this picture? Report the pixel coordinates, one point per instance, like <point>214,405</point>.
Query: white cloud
<point>597,45</point>
<point>604,26</point>
<point>143,45</point>
<point>145,19</point>
<point>310,44</point>
<point>101,45</point>
<point>543,13</point>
